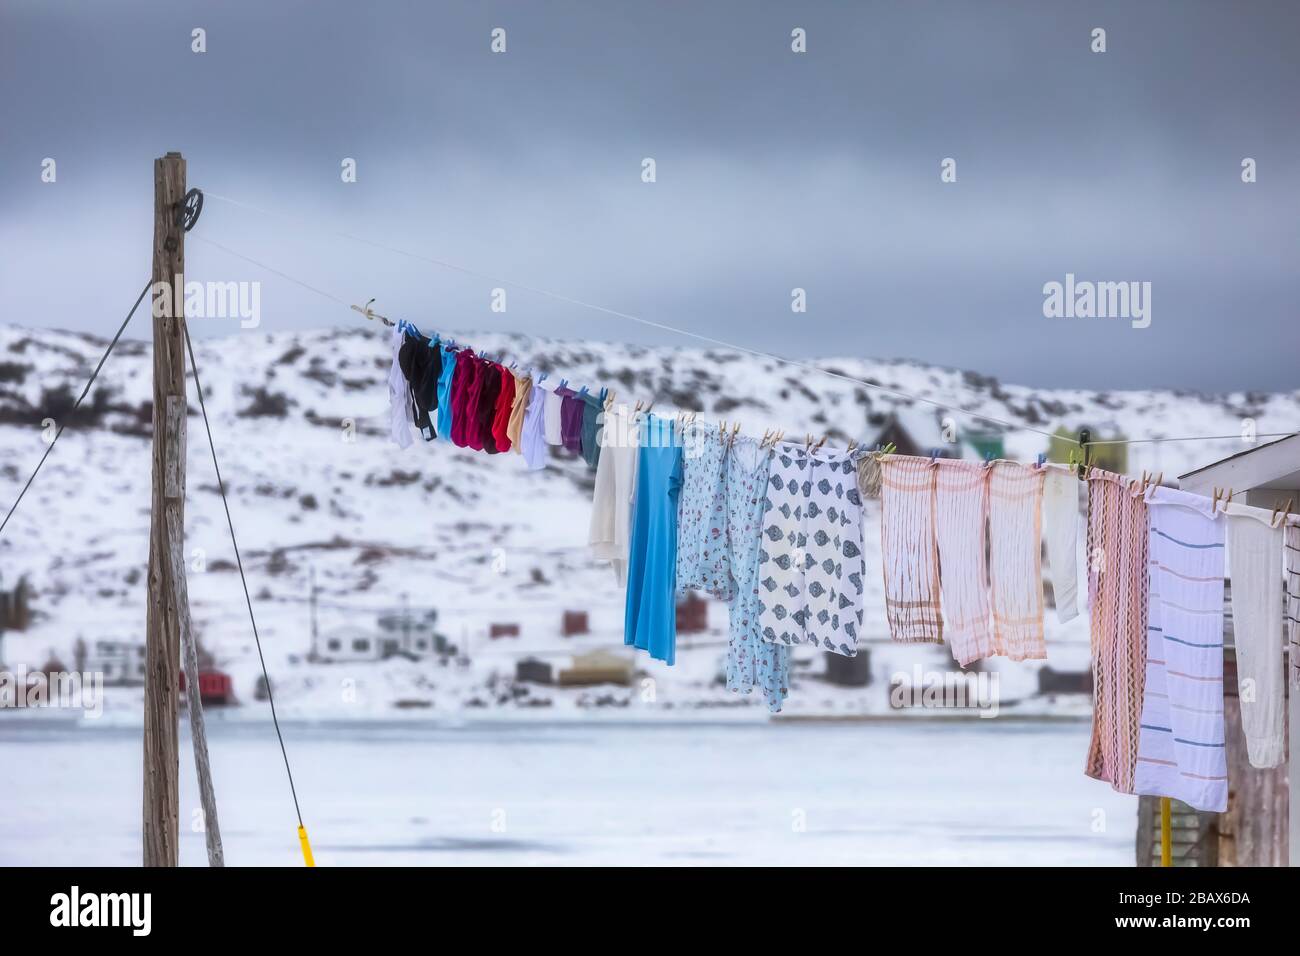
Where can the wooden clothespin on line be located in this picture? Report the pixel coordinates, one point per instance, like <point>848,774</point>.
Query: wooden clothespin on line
<point>1280,514</point>
<point>370,313</point>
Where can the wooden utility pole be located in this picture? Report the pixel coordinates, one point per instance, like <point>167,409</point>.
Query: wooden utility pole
<point>163,621</point>
<point>169,637</point>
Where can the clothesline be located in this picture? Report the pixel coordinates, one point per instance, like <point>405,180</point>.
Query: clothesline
<point>1083,469</point>
<point>663,327</point>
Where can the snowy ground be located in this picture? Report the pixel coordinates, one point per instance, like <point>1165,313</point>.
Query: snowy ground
<point>596,792</point>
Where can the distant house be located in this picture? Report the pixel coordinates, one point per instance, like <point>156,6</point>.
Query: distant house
<point>15,607</point>
<point>598,667</point>
<point>920,432</point>
<point>849,671</point>
<point>410,634</point>
<point>1052,681</point>
<point>1106,457</point>
<point>397,635</point>
<point>121,662</point>
<point>692,614</point>
<point>215,688</point>
<point>350,644</point>
<point>574,623</point>
<point>532,670</point>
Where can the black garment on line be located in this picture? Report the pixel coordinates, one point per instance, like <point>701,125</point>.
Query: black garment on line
<point>487,404</point>
<point>421,362</point>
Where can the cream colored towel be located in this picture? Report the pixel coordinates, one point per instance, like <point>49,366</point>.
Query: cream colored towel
<point>908,552</point>
<point>1255,564</point>
<point>1015,560</point>
<point>612,501</point>
<point>961,512</point>
<point>1061,531</point>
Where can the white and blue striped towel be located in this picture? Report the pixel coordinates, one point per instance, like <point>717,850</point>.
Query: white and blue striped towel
<point>1181,742</point>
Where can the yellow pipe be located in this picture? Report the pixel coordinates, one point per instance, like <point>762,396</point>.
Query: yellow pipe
<point>306,846</point>
<point>1166,834</point>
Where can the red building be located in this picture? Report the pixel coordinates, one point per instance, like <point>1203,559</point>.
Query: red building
<point>215,688</point>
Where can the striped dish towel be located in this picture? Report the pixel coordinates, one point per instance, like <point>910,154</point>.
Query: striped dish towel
<point>961,510</point>
<point>909,554</point>
<point>1181,743</point>
<point>1117,583</point>
<point>1015,560</point>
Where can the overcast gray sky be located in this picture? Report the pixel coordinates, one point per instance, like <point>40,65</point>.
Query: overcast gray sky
<point>775,170</point>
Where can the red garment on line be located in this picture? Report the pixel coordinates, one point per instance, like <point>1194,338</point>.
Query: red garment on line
<point>461,384</point>
<point>505,404</point>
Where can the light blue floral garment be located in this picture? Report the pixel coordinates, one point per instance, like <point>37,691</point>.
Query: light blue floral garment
<point>703,560</point>
<point>751,661</point>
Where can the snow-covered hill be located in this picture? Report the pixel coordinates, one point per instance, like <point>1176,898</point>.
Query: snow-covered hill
<point>300,424</point>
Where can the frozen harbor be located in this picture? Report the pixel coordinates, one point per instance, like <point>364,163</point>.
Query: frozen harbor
<point>583,793</point>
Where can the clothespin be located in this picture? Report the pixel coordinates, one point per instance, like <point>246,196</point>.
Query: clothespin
<point>818,446</point>
<point>1042,458</point>
<point>807,442</point>
<point>1281,513</point>
<point>370,313</point>
<point>1214,503</point>
<point>779,436</point>
<point>735,430</point>
<point>934,454</point>
<point>1159,479</point>
<point>988,458</point>
<point>767,435</point>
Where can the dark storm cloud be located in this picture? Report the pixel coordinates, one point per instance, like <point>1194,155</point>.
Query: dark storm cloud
<point>775,170</point>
